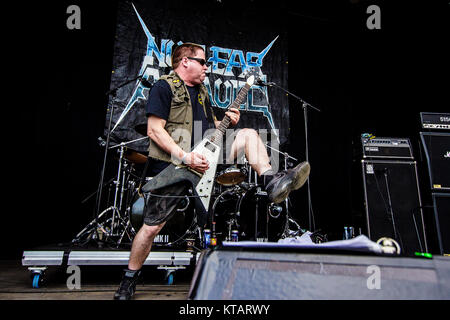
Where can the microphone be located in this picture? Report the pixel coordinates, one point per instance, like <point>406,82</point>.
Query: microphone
<point>264,84</point>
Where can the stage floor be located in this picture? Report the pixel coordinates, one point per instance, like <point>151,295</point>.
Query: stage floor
<point>53,272</point>
<point>97,283</point>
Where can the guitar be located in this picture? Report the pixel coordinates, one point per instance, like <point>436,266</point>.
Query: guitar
<point>211,148</point>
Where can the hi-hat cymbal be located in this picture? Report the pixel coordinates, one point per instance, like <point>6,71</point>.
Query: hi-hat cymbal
<point>141,129</point>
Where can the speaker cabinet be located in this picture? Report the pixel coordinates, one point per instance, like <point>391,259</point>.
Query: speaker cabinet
<point>251,274</point>
<point>437,150</point>
<point>393,204</point>
<point>441,204</point>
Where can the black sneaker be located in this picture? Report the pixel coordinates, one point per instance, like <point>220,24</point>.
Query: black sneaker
<point>284,182</point>
<point>127,286</point>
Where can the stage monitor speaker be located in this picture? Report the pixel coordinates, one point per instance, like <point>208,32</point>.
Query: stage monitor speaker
<point>270,274</point>
<point>437,150</point>
<point>441,204</point>
<point>393,204</point>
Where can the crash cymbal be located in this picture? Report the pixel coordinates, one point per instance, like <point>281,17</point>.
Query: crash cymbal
<point>141,129</point>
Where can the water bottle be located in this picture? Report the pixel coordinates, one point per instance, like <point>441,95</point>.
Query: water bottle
<point>346,234</point>
<point>234,235</point>
<point>351,232</point>
<point>213,235</point>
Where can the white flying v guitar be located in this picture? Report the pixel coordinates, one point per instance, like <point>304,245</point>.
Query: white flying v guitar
<point>211,148</point>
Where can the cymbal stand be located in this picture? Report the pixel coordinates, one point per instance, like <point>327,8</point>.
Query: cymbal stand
<point>116,193</point>
<point>118,207</point>
<point>104,228</point>
<point>95,229</point>
<point>113,93</point>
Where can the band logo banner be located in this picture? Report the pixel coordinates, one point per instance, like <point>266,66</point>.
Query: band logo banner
<point>148,30</point>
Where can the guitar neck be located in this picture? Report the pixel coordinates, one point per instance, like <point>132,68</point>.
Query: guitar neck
<point>226,121</point>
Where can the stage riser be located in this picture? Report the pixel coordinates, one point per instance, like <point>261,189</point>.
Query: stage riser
<point>101,258</point>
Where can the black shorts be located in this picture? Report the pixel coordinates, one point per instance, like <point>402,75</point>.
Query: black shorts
<point>160,209</point>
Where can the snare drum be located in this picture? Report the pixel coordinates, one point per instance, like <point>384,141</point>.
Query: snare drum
<point>231,176</point>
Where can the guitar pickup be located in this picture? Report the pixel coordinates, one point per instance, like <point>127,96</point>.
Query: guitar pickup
<point>211,147</point>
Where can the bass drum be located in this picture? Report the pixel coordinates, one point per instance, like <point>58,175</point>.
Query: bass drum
<point>250,212</point>
<point>179,231</point>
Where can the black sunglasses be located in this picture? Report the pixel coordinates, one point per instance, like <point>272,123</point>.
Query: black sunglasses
<point>200,60</point>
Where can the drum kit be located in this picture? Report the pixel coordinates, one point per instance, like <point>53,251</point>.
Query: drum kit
<point>240,208</point>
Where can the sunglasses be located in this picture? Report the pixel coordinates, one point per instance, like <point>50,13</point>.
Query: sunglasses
<point>200,60</point>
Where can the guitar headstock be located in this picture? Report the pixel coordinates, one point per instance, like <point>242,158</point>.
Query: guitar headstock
<point>252,75</point>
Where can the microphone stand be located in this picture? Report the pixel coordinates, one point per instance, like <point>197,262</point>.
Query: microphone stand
<point>305,106</point>
<point>112,92</point>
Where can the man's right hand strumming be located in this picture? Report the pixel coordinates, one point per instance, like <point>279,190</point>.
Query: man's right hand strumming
<point>196,161</point>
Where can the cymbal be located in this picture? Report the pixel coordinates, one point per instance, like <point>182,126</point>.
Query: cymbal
<point>135,157</point>
<point>141,129</point>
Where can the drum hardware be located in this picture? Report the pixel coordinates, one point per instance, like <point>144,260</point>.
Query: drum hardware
<point>90,231</point>
<point>287,232</point>
<point>117,208</point>
<point>246,208</point>
<point>230,223</point>
<point>113,93</point>
<point>118,226</point>
<point>188,235</point>
<point>275,210</point>
<point>187,201</point>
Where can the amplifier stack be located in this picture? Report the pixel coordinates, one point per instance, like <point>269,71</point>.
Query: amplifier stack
<point>391,193</point>
<point>435,139</point>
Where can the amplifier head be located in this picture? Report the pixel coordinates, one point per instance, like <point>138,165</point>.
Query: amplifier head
<point>390,148</point>
<point>435,121</point>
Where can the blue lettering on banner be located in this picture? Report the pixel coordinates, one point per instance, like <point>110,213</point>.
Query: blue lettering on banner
<point>225,88</point>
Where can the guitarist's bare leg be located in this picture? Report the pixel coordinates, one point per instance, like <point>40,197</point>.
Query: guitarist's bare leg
<point>277,184</point>
<point>249,142</point>
<point>142,245</point>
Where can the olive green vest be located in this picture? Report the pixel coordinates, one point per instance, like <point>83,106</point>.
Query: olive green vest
<point>180,121</point>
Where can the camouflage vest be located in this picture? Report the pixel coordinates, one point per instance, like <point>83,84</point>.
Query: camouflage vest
<point>180,121</point>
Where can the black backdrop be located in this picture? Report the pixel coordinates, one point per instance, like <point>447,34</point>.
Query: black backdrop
<point>54,105</point>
